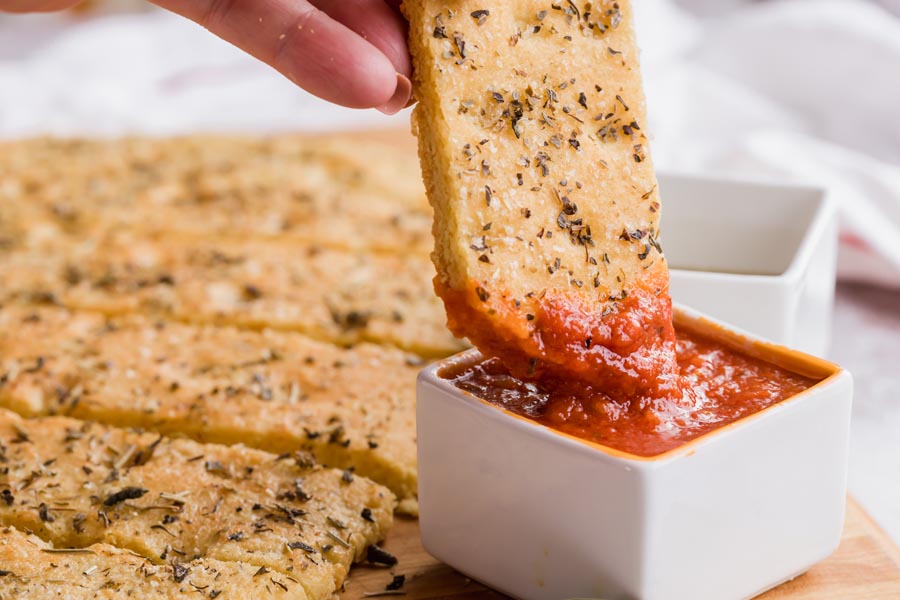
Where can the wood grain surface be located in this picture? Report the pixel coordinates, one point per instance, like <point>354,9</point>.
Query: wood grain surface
<point>865,566</point>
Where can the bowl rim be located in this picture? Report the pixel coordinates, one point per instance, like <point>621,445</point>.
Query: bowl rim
<point>825,213</point>
<point>685,318</point>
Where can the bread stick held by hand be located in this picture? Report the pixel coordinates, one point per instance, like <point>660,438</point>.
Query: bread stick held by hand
<point>534,152</point>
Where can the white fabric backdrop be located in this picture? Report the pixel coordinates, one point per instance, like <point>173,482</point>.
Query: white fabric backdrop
<point>808,90</point>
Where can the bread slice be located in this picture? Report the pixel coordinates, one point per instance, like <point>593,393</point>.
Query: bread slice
<point>279,392</point>
<point>333,295</point>
<point>32,569</point>
<point>330,190</point>
<point>532,139</point>
<point>75,484</point>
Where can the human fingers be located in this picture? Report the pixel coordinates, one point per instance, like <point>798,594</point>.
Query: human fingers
<point>377,22</point>
<point>318,53</point>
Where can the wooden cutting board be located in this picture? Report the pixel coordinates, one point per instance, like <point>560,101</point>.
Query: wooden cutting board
<point>866,566</point>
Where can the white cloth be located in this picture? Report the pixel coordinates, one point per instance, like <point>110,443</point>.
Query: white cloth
<point>806,90</point>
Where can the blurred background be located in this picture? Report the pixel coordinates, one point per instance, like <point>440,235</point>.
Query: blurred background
<point>783,90</point>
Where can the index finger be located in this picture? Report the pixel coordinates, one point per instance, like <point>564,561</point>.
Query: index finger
<point>378,23</point>
<point>304,43</point>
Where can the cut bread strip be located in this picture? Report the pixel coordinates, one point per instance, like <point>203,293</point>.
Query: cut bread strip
<point>75,484</point>
<point>327,190</point>
<point>279,392</point>
<point>336,296</point>
<point>33,569</point>
<point>531,127</point>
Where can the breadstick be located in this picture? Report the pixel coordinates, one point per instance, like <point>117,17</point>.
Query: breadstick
<point>532,139</point>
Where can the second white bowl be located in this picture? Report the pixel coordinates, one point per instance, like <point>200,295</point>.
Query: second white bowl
<point>757,255</point>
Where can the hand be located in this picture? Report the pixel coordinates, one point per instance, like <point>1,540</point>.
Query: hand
<point>350,52</point>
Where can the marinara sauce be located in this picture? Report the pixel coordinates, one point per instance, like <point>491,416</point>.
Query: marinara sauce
<point>716,386</point>
<point>625,347</point>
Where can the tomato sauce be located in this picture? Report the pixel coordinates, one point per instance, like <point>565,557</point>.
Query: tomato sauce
<point>626,349</point>
<point>715,386</point>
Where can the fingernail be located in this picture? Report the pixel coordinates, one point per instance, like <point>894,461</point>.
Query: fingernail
<point>401,96</point>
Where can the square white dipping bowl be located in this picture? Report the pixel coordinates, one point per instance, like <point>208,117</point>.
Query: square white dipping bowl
<point>759,256</point>
<point>538,514</point>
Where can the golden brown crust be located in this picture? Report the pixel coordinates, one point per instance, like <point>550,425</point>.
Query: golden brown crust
<point>332,295</point>
<point>531,126</point>
<point>75,484</point>
<point>33,569</point>
<point>339,192</point>
<point>273,391</point>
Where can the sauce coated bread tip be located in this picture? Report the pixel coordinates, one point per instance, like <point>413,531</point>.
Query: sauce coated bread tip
<point>532,138</point>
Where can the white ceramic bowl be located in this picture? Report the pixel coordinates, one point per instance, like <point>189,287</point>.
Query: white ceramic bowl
<point>538,514</point>
<point>756,255</point>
